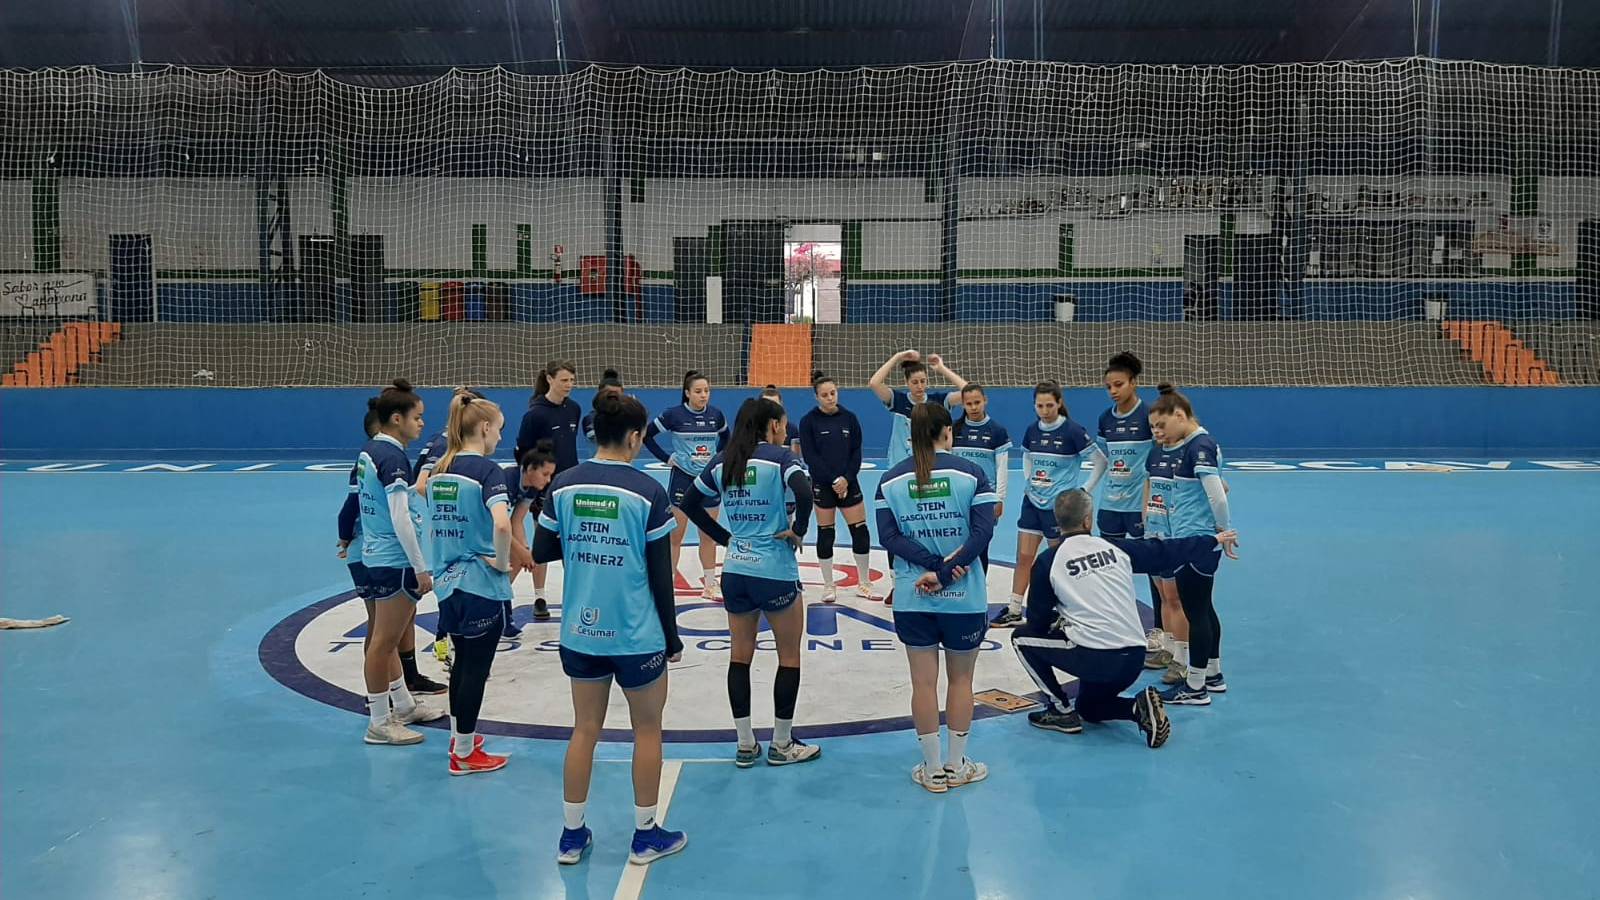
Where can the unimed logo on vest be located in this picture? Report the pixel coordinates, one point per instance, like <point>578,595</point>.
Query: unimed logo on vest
<point>855,676</point>
<point>595,506</point>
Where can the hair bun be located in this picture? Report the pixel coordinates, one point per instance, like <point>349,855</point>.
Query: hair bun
<point>400,384</point>
<point>372,403</point>
<point>818,374</point>
<point>610,373</point>
<point>1165,388</point>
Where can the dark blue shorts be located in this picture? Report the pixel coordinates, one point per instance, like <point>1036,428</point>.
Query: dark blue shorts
<point>742,594</point>
<point>358,575</point>
<point>384,582</point>
<point>957,632</point>
<point>632,672</point>
<point>1034,520</point>
<point>467,615</point>
<point>823,496</point>
<point>679,482</point>
<point>1208,564</point>
<point>1117,524</point>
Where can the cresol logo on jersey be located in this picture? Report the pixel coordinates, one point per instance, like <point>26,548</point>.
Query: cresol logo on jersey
<point>855,667</point>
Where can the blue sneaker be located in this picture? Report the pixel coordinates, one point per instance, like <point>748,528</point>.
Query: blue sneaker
<point>1216,684</point>
<point>745,757</point>
<point>574,843</point>
<point>655,842</point>
<point>1181,694</point>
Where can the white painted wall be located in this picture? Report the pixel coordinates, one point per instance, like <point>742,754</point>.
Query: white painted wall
<point>16,224</point>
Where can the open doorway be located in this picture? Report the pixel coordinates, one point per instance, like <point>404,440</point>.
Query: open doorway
<point>813,263</point>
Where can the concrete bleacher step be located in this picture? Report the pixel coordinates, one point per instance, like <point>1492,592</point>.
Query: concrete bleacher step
<point>1571,348</point>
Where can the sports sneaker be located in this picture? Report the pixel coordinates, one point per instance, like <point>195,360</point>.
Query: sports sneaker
<point>937,783</point>
<point>1005,618</point>
<point>712,590</point>
<point>830,594</point>
<point>968,772</point>
<point>478,761</point>
<point>798,751</point>
<point>864,587</point>
<point>1158,659</point>
<point>745,757</point>
<point>1052,719</point>
<point>1216,684</point>
<point>426,686</point>
<point>511,630</point>
<point>574,843</point>
<point>392,732</point>
<point>441,651</point>
<point>422,712</point>
<point>653,843</point>
<point>1176,673</point>
<point>1183,695</point>
<point>541,613</point>
<point>1151,715</point>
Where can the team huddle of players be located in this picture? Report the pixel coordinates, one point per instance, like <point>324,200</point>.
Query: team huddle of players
<point>454,523</point>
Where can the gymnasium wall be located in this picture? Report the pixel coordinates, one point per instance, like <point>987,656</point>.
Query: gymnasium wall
<point>1331,423</point>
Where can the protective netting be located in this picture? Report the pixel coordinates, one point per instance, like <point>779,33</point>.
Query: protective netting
<point>1305,224</point>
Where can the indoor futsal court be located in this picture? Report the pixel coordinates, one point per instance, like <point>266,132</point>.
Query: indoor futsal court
<point>949,449</point>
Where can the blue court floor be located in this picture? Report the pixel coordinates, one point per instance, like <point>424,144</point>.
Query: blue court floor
<point>1409,655</point>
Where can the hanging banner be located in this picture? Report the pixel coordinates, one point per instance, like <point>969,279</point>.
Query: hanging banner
<point>47,294</point>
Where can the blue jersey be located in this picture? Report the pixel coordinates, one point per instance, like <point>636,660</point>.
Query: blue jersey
<point>1126,442</point>
<point>460,530</point>
<point>352,552</point>
<point>1052,460</point>
<point>695,436</point>
<point>606,513</point>
<point>381,470</point>
<point>1178,504</point>
<point>937,516</point>
<point>756,511</point>
<point>900,407</point>
<point>431,452</point>
<point>985,443</point>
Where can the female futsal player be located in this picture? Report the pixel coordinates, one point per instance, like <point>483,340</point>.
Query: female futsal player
<point>1053,451</point>
<point>791,436</point>
<point>698,431</point>
<point>1124,440</point>
<point>936,515</point>
<point>982,440</point>
<point>536,467</point>
<point>350,526</point>
<point>754,476</point>
<point>830,437</point>
<point>1184,473</point>
<point>610,384</point>
<point>396,575</point>
<point>432,452</point>
<point>609,524</point>
<point>552,414</point>
<point>469,539</point>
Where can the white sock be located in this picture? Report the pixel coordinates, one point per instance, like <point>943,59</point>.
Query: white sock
<point>1168,643</point>
<point>958,747</point>
<point>461,744</point>
<point>1197,678</point>
<point>931,762</point>
<point>709,578</point>
<point>780,732</point>
<point>644,817</point>
<point>864,569</point>
<point>1180,652</point>
<point>1214,668</point>
<point>747,733</point>
<point>572,813</point>
<point>400,697</point>
<point>378,707</point>
<point>1015,604</point>
<point>826,565</point>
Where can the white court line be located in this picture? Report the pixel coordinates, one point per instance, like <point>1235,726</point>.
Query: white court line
<point>632,883</point>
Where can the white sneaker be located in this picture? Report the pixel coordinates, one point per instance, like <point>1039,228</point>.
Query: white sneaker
<point>797,752</point>
<point>712,590</point>
<point>392,732</point>
<point>937,783</point>
<point>864,588</point>
<point>830,594</point>
<point>422,712</point>
<point>969,772</point>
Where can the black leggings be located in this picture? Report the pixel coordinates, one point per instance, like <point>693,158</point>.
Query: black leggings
<point>469,675</point>
<point>1205,629</point>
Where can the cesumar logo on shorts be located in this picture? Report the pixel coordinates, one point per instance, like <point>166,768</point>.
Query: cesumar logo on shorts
<point>595,506</point>
<point>656,662</point>
<point>934,489</point>
<point>444,491</point>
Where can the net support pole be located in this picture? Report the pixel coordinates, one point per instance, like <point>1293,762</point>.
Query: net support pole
<point>949,225</point>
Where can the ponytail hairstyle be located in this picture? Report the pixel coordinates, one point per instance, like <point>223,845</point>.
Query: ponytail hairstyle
<point>615,416</point>
<point>689,378</point>
<point>772,393</point>
<point>371,422</point>
<point>397,399</point>
<point>609,379</point>
<point>1126,363</point>
<point>1170,401</point>
<point>928,421</point>
<point>749,429</point>
<point>820,378</point>
<point>541,384</point>
<point>543,451</point>
<point>910,367</point>
<point>468,413</point>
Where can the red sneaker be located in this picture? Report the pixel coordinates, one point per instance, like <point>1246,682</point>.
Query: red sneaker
<point>479,761</point>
